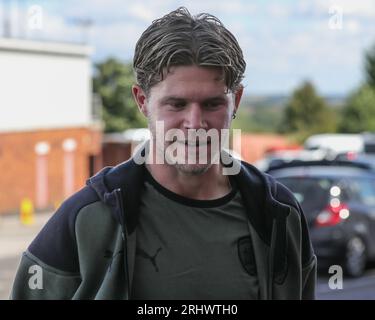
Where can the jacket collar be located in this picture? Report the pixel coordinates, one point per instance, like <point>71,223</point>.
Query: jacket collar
<point>128,177</point>
<point>259,193</point>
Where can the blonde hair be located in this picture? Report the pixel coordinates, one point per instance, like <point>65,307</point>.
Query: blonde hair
<point>180,39</point>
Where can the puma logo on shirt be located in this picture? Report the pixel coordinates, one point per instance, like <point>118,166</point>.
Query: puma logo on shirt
<point>145,255</point>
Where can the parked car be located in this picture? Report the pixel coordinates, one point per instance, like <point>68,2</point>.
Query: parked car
<point>338,199</point>
<point>335,143</point>
<point>273,158</point>
<point>361,157</point>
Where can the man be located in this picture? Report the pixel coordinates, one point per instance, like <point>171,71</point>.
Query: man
<point>173,227</point>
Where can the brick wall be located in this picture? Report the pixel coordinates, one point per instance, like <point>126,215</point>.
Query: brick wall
<point>254,146</point>
<point>115,153</point>
<point>18,162</point>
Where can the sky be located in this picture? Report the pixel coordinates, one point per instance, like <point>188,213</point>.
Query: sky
<point>284,42</point>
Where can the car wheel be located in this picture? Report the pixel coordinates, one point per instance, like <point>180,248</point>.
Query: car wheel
<point>356,257</point>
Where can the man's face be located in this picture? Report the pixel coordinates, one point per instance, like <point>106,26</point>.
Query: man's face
<point>188,99</point>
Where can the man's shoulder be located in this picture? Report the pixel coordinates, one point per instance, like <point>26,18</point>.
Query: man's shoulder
<point>56,242</point>
<point>272,189</point>
<point>73,204</point>
<point>281,193</point>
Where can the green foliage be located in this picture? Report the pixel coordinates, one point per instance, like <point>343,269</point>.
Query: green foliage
<point>306,113</point>
<point>370,67</point>
<point>113,81</point>
<point>358,113</point>
<point>263,118</point>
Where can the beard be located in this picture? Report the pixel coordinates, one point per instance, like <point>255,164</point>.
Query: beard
<point>193,158</point>
<point>191,169</point>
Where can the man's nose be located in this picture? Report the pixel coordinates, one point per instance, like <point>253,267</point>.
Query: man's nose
<point>195,118</point>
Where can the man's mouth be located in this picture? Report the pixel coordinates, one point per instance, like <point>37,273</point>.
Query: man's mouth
<point>197,143</point>
<point>193,143</point>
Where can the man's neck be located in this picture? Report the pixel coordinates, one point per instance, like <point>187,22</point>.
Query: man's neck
<point>207,186</point>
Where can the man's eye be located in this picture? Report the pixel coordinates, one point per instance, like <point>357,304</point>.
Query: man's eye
<point>178,105</point>
<point>212,105</point>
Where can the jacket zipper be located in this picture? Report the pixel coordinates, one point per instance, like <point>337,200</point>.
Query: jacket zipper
<point>271,262</point>
<point>120,203</point>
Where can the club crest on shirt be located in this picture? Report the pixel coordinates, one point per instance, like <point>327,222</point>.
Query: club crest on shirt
<point>246,255</point>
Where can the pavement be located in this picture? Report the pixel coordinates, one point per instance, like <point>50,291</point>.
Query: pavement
<point>15,237</point>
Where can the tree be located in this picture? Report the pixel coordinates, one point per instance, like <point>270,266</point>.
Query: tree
<point>370,67</point>
<point>263,118</point>
<point>306,113</point>
<point>113,81</point>
<point>358,113</point>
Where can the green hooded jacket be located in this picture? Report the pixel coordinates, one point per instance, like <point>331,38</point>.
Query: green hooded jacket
<point>87,249</point>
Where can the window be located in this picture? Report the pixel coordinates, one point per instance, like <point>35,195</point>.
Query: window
<point>311,193</point>
<point>364,191</point>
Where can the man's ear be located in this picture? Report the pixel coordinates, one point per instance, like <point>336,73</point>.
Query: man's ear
<point>140,98</point>
<point>237,98</point>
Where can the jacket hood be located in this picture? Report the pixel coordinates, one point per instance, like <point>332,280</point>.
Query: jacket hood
<point>126,181</point>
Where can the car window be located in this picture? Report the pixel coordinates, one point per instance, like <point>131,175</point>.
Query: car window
<point>344,186</point>
<point>364,190</point>
<point>312,193</point>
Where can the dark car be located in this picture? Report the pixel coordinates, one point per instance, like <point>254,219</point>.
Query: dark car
<point>365,158</point>
<point>338,199</point>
